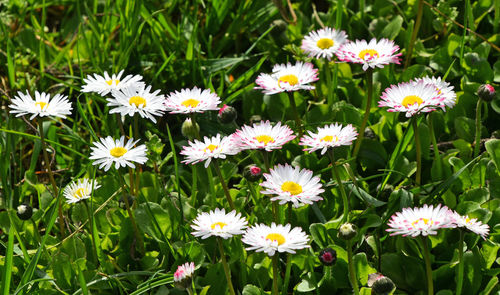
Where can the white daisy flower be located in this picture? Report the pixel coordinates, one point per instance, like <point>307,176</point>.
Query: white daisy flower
<point>192,101</point>
<point>80,190</point>
<point>264,136</point>
<point>109,151</point>
<point>269,239</point>
<point>296,186</point>
<point>104,85</point>
<point>214,147</point>
<point>443,88</point>
<point>370,54</point>
<point>420,221</point>
<point>288,78</point>
<point>472,225</point>
<point>184,271</point>
<point>329,137</point>
<point>323,43</point>
<point>137,98</point>
<point>42,105</point>
<point>218,223</point>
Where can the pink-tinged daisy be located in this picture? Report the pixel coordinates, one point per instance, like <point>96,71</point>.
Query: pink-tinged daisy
<point>420,221</point>
<point>412,98</point>
<point>137,98</point>
<point>183,276</point>
<point>330,136</point>
<point>287,78</point>
<point>275,238</point>
<point>443,88</point>
<point>323,43</point>
<point>472,225</point>
<point>109,151</point>
<point>370,54</point>
<point>105,84</point>
<point>218,223</point>
<point>215,147</point>
<point>264,136</point>
<point>192,101</point>
<point>42,105</point>
<point>288,184</point>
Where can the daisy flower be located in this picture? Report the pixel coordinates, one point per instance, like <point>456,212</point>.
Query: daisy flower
<point>329,136</point>
<point>323,43</point>
<point>104,85</point>
<point>269,239</point>
<point>80,190</point>
<point>109,151</point>
<point>264,136</point>
<point>412,98</point>
<point>370,54</point>
<point>218,223</point>
<point>42,105</point>
<point>472,225</point>
<point>214,147</point>
<point>192,101</point>
<point>296,186</point>
<point>137,98</point>
<point>183,274</point>
<point>288,78</point>
<point>443,89</point>
<point>420,221</point>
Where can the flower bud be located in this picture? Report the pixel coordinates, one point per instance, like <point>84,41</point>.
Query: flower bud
<point>328,256</point>
<point>380,284</point>
<point>252,173</point>
<point>347,231</point>
<point>227,114</point>
<point>183,275</point>
<point>255,119</point>
<point>190,130</point>
<point>486,92</point>
<point>24,211</point>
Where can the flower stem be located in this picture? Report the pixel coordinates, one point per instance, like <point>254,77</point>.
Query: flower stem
<point>437,156</point>
<point>226,266</point>
<point>428,269</point>
<point>51,178</point>
<point>138,169</point>
<point>91,225</point>
<point>352,272</point>
<point>477,144</point>
<point>329,85</point>
<point>369,94</point>
<point>335,171</point>
<point>414,34</point>
<point>274,205</point>
<point>418,174</point>
<point>215,163</point>
<point>275,274</point>
<point>284,290</point>
<point>298,122</point>
<point>193,121</point>
<point>460,278</point>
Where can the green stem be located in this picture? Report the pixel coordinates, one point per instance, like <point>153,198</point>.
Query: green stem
<point>352,272</point>
<point>460,278</point>
<point>275,274</point>
<point>328,74</point>
<point>266,160</point>
<point>194,185</point>
<point>91,225</point>
<point>345,217</point>
<point>437,156</point>
<point>369,94</point>
<point>478,127</point>
<point>414,34</point>
<point>284,290</point>
<point>274,205</point>
<point>215,163</point>
<point>138,169</point>
<point>226,266</point>
<point>428,269</point>
<point>193,121</point>
<point>298,122</point>
<point>418,174</point>
<point>289,213</point>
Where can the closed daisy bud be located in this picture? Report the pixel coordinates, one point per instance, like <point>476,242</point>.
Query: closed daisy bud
<point>486,92</point>
<point>24,211</point>
<point>190,129</point>
<point>252,173</point>
<point>347,231</point>
<point>380,284</point>
<point>328,256</point>
<point>227,114</point>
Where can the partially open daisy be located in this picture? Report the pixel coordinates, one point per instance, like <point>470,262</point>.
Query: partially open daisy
<point>370,54</point>
<point>275,238</point>
<point>193,100</point>
<point>264,136</point>
<point>80,190</point>
<point>323,43</point>
<point>184,271</point>
<point>42,105</point>
<point>443,89</point>
<point>420,221</point>
<point>137,98</point>
<point>106,84</point>
<point>288,78</point>
<point>332,135</point>
<point>218,223</point>
<point>214,147</point>
<point>294,185</point>
<point>109,151</point>
<point>472,225</point>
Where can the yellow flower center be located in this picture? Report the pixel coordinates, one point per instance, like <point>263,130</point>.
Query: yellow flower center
<point>265,139</point>
<point>329,138</point>
<point>41,104</point>
<point>137,100</point>
<point>190,103</point>
<point>210,147</point>
<point>425,220</point>
<point>467,220</point>
<point>370,52</point>
<point>219,224</point>
<point>291,187</point>
<point>411,100</point>
<point>111,82</point>
<point>79,193</point>
<point>118,151</point>
<point>324,43</point>
<point>276,237</point>
<point>292,80</point>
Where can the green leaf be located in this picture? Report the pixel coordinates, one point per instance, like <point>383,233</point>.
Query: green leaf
<point>465,128</point>
<point>319,234</point>
<point>144,220</point>
<point>493,148</point>
<point>364,196</point>
<point>251,290</point>
<point>391,31</point>
<point>363,269</point>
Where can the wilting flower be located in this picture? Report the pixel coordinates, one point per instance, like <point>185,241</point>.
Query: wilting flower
<point>42,105</point>
<point>80,190</point>
<point>269,239</point>
<point>420,221</point>
<point>323,43</point>
<point>264,136</point>
<point>288,78</point>
<point>137,98</point>
<point>218,223</point>
<point>192,101</point>
<point>215,147</point>
<point>109,151</point>
<point>472,225</point>
<point>328,137</point>
<point>370,54</point>
<point>105,84</point>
